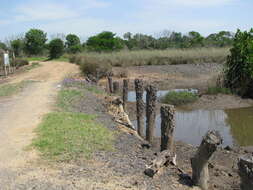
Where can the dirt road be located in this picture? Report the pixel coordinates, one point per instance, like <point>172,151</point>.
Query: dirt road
<point>20,114</point>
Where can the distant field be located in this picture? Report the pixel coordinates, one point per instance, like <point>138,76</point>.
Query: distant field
<point>155,57</point>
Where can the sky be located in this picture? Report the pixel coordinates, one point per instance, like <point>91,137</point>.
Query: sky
<point>89,17</point>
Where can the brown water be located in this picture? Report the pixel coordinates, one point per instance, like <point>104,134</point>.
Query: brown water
<point>234,125</point>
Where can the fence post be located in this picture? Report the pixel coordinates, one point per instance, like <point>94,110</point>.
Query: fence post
<point>199,163</point>
<point>167,127</point>
<point>150,112</point>
<point>125,92</point>
<point>245,168</point>
<point>110,84</point>
<point>140,106</point>
<point>116,87</point>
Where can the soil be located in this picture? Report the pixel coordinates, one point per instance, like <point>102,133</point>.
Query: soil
<point>22,168</point>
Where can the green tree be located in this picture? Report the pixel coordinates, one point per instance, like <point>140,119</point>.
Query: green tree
<point>195,39</point>
<point>35,40</point>
<point>105,41</point>
<point>239,66</point>
<point>56,48</point>
<point>3,46</point>
<point>73,43</point>
<point>17,46</point>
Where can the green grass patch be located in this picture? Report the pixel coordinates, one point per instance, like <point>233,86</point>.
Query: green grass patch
<point>94,90</point>
<point>66,136</point>
<point>33,66</point>
<point>218,90</point>
<point>37,58</point>
<point>67,97</point>
<point>62,59</point>
<point>179,98</point>
<point>11,89</point>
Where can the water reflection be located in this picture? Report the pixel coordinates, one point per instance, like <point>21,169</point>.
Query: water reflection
<point>241,125</point>
<point>160,93</point>
<point>235,125</point>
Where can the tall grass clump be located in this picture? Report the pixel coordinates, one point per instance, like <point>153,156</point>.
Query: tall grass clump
<point>93,68</point>
<point>156,57</point>
<point>179,98</point>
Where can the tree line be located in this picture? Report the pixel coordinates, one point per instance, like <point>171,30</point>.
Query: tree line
<point>35,42</point>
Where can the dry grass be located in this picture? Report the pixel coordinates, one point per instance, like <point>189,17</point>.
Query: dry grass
<point>156,57</point>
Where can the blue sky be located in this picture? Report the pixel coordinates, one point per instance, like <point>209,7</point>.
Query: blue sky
<point>88,17</point>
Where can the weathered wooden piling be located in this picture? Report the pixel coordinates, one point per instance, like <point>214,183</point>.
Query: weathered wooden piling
<point>199,163</point>
<point>151,98</point>
<point>245,168</point>
<point>140,106</point>
<point>125,92</point>
<point>110,84</point>
<point>116,87</point>
<point>167,127</point>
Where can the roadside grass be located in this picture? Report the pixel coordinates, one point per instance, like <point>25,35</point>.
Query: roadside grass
<point>33,66</point>
<point>43,59</point>
<point>36,58</point>
<point>80,84</point>
<point>153,57</point>
<point>218,90</point>
<point>67,97</point>
<point>66,135</point>
<point>179,98</point>
<point>11,89</point>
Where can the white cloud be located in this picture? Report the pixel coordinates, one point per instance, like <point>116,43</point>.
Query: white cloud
<point>49,11</point>
<point>192,3</point>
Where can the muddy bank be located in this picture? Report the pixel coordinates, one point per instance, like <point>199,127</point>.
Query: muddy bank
<point>167,77</point>
<point>218,102</point>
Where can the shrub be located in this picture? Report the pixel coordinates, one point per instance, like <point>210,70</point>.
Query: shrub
<point>20,62</point>
<point>56,48</point>
<point>104,42</point>
<point>35,41</point>
<point>95,68</point>
<point>179,98</point>
<point>239,66</point>
<point>73,43</point>
<point>218,90</point>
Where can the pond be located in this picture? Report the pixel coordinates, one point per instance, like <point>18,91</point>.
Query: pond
<point>160,93</point>
<point>234,125</point>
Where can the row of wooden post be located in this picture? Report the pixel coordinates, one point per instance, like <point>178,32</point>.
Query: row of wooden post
<point>209,144</point>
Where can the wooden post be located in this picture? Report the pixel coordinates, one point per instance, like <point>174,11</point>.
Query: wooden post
<point>125,92</point>
<point>245,168</point>
<point>167,127</point>
<point>116,87</point>
<point>150,112</point>
<point>140,106</point>
<point>110,84</point>
<point>199,162</point>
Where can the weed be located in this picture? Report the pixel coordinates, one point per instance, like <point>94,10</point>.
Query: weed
<point>218,90</point>
<point>66,136</point>
<point>179,98</point>
<point>11,89</point>
<point>154,57</point>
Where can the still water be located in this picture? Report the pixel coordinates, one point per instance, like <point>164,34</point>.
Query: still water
<point>160,93</point>
<point>234,125</point>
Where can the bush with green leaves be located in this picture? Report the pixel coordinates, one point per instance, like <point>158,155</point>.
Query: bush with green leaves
<point>179,98</point>
<point>94,68</point>
<point>17,46</point>
<point>35,40</point>
<point>73,43</point>
<point>239,66</point>
<point>104,42</point>
<point>56,48</point>
<point>20,62</point>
